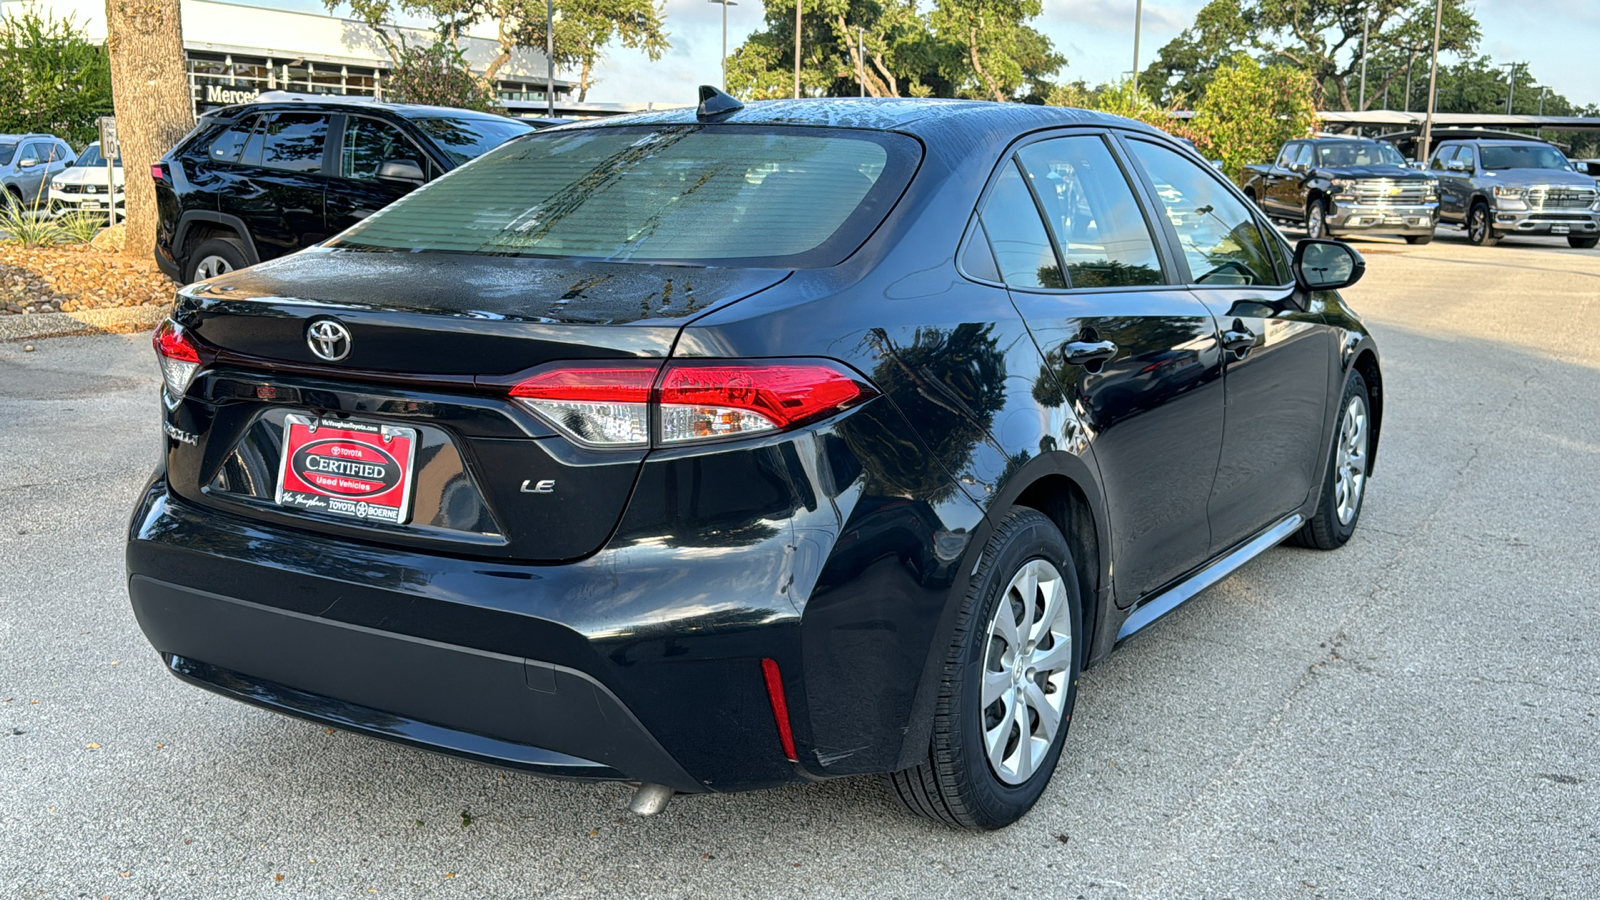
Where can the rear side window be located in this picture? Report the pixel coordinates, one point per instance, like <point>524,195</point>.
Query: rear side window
<point>294,142</point>
<point>1089,206</point>
<point>369,143</point>
<point>1021,246</point>
<point>227,146</point>
<point>790,197</point>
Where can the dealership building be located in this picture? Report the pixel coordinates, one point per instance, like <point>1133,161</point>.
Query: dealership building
<point>234,52</point>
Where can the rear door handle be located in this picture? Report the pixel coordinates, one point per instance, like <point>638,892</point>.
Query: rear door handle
<point>1083,353</point>
<point>1239,339</point>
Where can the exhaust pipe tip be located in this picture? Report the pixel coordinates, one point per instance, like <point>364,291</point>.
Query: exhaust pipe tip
<point>650,799</point>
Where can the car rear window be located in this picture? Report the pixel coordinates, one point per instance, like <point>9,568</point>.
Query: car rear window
<point>733,195</point>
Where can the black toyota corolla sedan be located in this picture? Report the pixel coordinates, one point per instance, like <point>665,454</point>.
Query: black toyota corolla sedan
<point>737,447</point>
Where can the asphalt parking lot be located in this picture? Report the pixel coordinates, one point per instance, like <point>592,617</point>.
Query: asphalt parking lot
<point>1415,715</point>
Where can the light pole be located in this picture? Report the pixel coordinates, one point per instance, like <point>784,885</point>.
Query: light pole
<point>1433,76</point>
<point>797,4</point>
<point>550,58</point>
<point>1511,82</point>
<point>861,59</point>
<point>1138,19</point>
<point>1366,22</point>
<point>725,5</point>
<point>1411,58</point>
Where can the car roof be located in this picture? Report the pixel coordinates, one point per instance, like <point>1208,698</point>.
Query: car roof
<point>31,136</point>
<point>912,115</point>
<point>338,102</point>
<point>1498,142</point>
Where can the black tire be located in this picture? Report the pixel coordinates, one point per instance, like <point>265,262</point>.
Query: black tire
<point>1317,218</point>
<point>1582,243</point>
<point>1419,239</point>
<point>1326,529</point>
<point>229,250</point>
<point>957,784</point>
<point>1480,227</point>
<point>11,199</point>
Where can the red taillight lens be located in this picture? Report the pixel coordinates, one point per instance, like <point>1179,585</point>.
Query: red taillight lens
<point>780,707</point>
<point>597,384</point>
<point>158,171</point>
<point>178,355</point>
<point>718,399</point>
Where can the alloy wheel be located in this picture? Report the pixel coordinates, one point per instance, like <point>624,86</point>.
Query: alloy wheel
<point>1351,478</point>
<point>211,267</point>
<point>1027,662</point>
<point>1479,226</point>
<point>1316,221</point>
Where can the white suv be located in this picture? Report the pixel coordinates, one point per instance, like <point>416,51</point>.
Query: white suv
<point>84,187</point>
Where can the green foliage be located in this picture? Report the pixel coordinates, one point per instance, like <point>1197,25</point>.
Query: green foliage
<point>437,75</point>
<point>81,227</point>
<point>1320,37</point>
<point>52,78</point>
<point>960,48</point>
<point>1249,110</point>
<point>28,227</point>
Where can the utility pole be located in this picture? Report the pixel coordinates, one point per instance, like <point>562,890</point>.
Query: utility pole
<point>861,59</point>
<point>1138,19</point>
<point>725,5</point>
<point>550,58</point>
<point>1366,24</point>
<point>797,4</point>
<point>1433,81</point>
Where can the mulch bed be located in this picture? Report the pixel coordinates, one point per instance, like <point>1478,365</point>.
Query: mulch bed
<point>76,277</point>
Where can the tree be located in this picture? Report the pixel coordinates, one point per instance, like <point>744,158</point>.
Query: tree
<point>583,29</point>
<point>435,74</point>
<point>991,53</point>
<point>1249,110</point>
<point>54,80</point>
<point>1321,37</point>
<point>144,40</point>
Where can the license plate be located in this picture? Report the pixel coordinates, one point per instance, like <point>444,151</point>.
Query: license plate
<point>1394,220</point>
<point>353,469</point>
<point>1560,229</point>
<point>91,204</point>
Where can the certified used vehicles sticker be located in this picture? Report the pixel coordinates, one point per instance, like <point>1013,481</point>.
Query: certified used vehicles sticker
<point>353,469</point>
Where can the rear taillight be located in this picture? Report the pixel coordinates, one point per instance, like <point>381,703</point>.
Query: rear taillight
<point>611,405</point>
<point>179,357</point>
<point>158,171</point>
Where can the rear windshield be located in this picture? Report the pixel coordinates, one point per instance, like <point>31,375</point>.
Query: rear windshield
<point>709,195</point>
<point>463,138</point>
<point>1523,156</point>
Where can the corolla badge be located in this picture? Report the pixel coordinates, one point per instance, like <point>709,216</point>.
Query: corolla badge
<point>328,339</point>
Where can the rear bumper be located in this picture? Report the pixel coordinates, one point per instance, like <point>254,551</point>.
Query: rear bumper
<point>505,710</point>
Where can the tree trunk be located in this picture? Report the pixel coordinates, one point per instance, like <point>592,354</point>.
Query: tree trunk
<point>585,70</point>
<point>150,93</point>
<point>972,51</point>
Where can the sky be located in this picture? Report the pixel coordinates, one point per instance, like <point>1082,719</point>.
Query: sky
<point>1558,37</point>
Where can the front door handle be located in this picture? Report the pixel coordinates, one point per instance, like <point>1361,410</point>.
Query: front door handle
<point>1239,339</point>
<point>1083,353</point>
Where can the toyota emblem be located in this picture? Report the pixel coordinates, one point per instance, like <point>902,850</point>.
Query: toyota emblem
<point>328,339</point>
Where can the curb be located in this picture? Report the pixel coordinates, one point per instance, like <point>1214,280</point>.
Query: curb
<point>119,320</point>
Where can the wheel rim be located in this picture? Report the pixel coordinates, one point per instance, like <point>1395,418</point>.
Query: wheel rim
<point>1027,661</point>
<point>1314,224</point>
<point>1480,223</point>
<point>1352,461</point>
<point>211,266</point>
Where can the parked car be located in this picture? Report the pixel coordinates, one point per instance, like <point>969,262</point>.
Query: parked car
<point>84,185</point>
<point>261,180</point>
<point>27,162</point>
<point>1492,188</point>
<point>1341,186</point>
<point>739,447</point>
<point>1589,167</point>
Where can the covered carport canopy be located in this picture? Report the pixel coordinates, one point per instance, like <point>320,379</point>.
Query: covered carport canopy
<point>1404,129</point>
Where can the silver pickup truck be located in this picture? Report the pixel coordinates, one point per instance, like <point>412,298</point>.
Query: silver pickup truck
<point>1494,188</point>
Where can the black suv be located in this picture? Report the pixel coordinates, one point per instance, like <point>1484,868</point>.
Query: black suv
<point>263,180</point>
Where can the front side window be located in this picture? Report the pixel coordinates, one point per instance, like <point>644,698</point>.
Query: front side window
<point>1021,245</point>
<point>1089,206</point>
<point>1303,156</point>
<point>692,194</point>
<point>31,152</point>
<point>1523,156</point>
<point>1216,230</point>
<point>1286,155</point>
<point>369,143</point>
<point>294,141</point>
<point>1467,157</point>
<point>1442,157</point>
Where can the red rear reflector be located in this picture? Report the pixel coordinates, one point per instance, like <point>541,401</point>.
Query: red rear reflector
<point>785,393</point>
<point>174,344</point>
<point>590,384</point>
<point>780,707</point>
<point>158,171</point>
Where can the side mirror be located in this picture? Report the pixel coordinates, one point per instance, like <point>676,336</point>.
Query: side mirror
<point>1327,265</point>
<point>401,170</point>
<point>1456,165</point>
<point>1299,167</point>
<point>27,163</point>
<point>1417,164</point>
